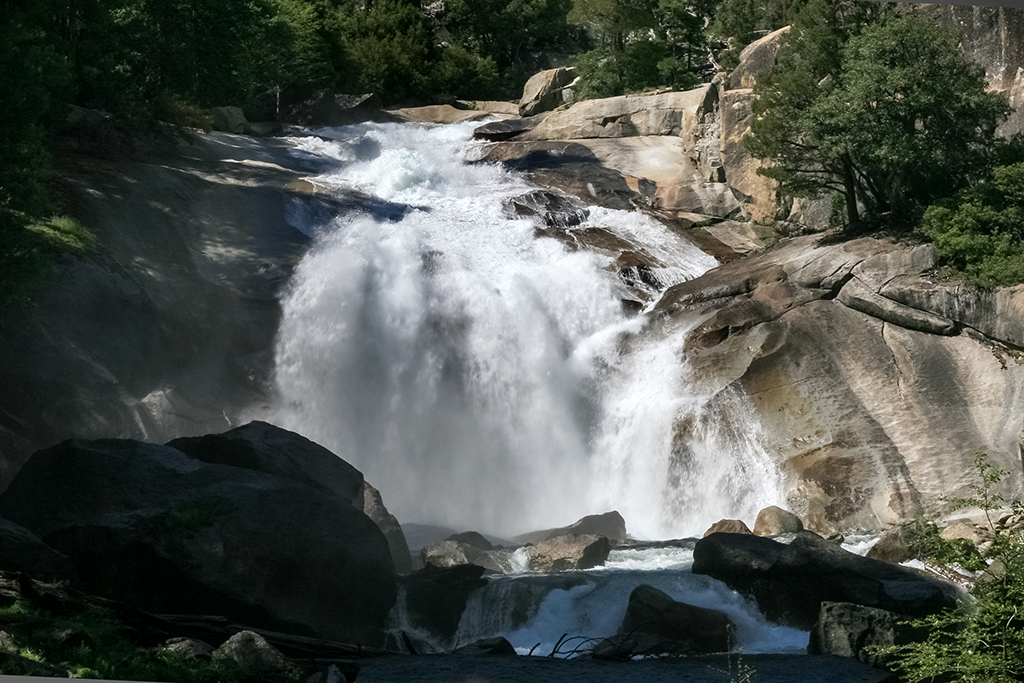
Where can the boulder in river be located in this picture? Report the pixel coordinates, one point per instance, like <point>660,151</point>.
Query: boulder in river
<point>773,521</point>
<point>570,551</point>
<point>435,598</point>
<point>655,624</point>
<point>611,525</point>
<point>554,209</point>
<point>789,582</point>
<point>149,525</point>
<point>728,526</point>
<point>229,120</point>
<point>454,553</point>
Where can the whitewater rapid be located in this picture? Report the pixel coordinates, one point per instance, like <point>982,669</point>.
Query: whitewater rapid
<point>484,377</point>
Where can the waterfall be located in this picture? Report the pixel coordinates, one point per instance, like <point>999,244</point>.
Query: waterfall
<point>486,377</point>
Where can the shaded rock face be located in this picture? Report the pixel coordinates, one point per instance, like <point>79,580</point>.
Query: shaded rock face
<point>611,525</point>
<point>790,582</point>
<point>230,120</point>
<point>655,624</point>
<point>325,108</point>
<point>858,403</point>
<point>373,507</point>
<point>849,630</point>
<point>21,550</point>
<point>568,552</point>
<point>152,526</point>
<point>169,329</point>
<point>434,598</point>
<point>544,91</point>
<point>266,448</point>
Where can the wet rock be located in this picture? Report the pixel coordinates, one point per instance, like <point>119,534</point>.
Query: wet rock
<point>499,131</point>
<point>789,582</point>
<point>728,526</point>
<point>190,648</point>
<point>848,630</point>
<point>454,553</point>
<point>892,546</point>
<point>435,598</point>
<point>149,525</point>
<point>773,521</point>
<point>229,120</point>
<point>571,551</point>
<point>21,550</point>
<point>266,129</point>
<point>251,652</point>
<point>555,209</point>
<point>488,647</point>
<point>325,108</point>
<point>611,525</point>
<point>544,91</point>
<point>373,507</point>
<point>655,624</point>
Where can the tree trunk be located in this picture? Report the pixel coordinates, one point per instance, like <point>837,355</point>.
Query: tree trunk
<point>850,190</point>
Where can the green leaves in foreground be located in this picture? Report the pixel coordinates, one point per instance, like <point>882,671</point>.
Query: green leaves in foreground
<point>982,641</point>
<point>980,232</point>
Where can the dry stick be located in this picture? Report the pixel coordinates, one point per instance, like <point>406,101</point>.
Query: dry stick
<point>557,644</point>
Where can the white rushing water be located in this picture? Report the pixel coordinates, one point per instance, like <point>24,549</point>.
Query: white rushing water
<point>477,374</point>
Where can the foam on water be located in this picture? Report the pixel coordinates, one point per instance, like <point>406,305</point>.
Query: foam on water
<point>595,610</point>
<point>482,377</point>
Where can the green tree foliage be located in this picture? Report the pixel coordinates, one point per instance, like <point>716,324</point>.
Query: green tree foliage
<point>741,22</point>
<point>390,47</point>
<point>901,119</point>
<point>641,44</point>
<point>980,231</point>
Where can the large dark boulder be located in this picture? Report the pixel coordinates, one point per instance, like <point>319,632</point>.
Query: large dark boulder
<point>848,630</point>
<point>23,551</point>
<point>655,624</point>
<point>499,131</point>
<point>168,533</point>
<point>325,108</point>
<point>435,598</point>
<point>789,582</point>
<point>264,447</point>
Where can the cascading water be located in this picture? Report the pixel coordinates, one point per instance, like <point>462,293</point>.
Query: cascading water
<point>476,373</point>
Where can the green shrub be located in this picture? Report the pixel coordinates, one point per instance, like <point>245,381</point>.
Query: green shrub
<point>980,231</point>
<point>982,640</point>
